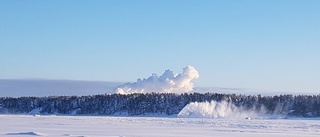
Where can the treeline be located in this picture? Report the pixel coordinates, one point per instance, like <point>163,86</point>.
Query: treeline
<point>157,103</point>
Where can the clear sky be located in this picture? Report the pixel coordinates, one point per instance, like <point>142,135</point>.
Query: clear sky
<point>269,45</point>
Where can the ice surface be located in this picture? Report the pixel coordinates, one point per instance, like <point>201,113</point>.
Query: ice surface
<point>94,126</point>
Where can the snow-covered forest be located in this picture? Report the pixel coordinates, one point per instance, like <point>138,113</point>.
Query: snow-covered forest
<point>157,103</point>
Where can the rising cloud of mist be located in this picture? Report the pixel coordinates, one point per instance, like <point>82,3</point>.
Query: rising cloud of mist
<point>168,82</point>
<point>214,109</point>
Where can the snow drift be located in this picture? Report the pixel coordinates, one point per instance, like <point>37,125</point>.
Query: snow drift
<point>213,109</point>
<point>168,82</point>
<point>26,134</point>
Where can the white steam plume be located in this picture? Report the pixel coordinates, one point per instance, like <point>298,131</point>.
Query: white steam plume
<point>213,109</point>
<point>168,82</point>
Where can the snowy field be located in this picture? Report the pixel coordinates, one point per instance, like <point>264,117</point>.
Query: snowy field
<point>98,126</point>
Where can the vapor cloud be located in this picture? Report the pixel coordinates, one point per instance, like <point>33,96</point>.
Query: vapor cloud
<point>168,82</point>
<point>214,109</point>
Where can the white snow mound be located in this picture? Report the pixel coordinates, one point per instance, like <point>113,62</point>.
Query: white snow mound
<point>35,111</point>
<point>26,133</point>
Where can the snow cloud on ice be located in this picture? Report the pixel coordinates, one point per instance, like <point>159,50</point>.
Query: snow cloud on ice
<point>214,109</point>
<point>168,82</point>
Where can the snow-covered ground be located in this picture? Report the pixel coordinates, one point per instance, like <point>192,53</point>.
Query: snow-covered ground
<point>76,126</point>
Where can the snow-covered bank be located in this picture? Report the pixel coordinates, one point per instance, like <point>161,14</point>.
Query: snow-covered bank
<point>44,87</point>
<point>164,103</point>
<point>24,125</point>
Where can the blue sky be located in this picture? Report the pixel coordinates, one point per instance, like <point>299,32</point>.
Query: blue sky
<point>266,45</point>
